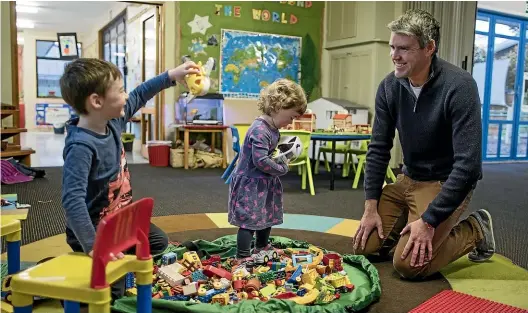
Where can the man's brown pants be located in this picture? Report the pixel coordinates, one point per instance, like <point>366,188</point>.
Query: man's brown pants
<point>404,202</point>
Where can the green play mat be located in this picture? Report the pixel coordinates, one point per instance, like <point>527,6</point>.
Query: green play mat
<point>361,272</point>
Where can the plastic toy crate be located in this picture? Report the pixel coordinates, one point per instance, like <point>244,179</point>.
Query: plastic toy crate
<point>159,152</point>
<point>128,141</point>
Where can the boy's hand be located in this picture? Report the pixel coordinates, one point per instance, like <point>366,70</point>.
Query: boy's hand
<point>120,255</point>
<point>178,73</point>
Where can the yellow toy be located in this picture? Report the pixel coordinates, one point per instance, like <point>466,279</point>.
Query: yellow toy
<point>199,84</point>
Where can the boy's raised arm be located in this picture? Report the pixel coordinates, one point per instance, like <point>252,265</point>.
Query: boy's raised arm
<point>147,90</point>
<point>138,97</point>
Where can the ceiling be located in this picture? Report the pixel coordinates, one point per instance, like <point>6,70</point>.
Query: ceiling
<point>68,16</point>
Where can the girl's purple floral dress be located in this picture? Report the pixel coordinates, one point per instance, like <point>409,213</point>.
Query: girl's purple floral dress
<point>255,191</point>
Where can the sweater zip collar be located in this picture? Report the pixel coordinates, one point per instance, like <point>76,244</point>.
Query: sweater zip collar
<point>406,83</point>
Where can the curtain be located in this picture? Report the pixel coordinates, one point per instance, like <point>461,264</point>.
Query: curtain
<point>457,28</point>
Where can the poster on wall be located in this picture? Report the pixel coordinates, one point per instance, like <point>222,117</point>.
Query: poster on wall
<point>51,113</point>
<point>250,61</point>
<point>68,46</point>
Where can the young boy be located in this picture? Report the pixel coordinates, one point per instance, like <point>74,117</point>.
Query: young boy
<point>96,180</point>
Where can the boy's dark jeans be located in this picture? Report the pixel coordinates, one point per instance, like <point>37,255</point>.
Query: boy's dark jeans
<point>158,243</point>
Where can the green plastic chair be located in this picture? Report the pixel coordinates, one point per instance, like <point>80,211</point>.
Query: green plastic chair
<point>345,149</point>
<point>340,149</point>
<point>362,159</point>
<point>303,161</point>
<point>362,150</point>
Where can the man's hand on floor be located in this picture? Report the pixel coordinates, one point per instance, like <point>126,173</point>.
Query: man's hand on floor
<point>420,241</point>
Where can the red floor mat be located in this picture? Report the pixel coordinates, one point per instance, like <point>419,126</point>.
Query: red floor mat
<point>449,301</point>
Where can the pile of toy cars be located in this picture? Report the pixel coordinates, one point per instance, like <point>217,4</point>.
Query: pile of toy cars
<point>303,276</point>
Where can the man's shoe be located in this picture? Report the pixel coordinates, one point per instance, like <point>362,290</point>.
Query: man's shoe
<point>485,248</point>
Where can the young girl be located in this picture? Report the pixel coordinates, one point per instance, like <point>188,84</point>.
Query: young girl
<point>255,191</point>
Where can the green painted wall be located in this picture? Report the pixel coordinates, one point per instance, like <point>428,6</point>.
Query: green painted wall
<point>309,16</point>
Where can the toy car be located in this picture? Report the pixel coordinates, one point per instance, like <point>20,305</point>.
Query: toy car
<point>264,256</point>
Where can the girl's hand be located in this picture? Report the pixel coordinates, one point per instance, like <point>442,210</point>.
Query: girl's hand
<point>282,160</point>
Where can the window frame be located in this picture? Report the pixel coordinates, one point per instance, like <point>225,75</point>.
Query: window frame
<point>37,58</point>
<point>107,29</point>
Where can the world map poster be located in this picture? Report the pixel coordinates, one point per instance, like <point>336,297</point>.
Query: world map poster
<point>250,61</point>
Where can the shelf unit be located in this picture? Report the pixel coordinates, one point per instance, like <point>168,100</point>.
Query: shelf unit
<point>12,133</point>
<point>13,149</point>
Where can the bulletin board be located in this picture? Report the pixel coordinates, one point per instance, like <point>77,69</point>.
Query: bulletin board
<point>51,113</point>
<point>246,55</point>
<point>201,32</point>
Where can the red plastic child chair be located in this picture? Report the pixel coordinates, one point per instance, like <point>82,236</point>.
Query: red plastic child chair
<point>119,231</point>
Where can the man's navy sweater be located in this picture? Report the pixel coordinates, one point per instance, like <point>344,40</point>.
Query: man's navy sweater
<point>440,133</point>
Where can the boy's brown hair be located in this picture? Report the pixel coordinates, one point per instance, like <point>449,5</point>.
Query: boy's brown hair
<point>84,77</point>
<point>282,94</point>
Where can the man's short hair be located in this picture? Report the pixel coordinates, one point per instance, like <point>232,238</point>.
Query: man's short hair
<point>419,24</point>
<point>84,77</point>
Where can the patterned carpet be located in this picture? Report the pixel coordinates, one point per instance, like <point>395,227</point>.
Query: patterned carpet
<point>191,205</point>
<point>175,191</point>
<point>498,280</point>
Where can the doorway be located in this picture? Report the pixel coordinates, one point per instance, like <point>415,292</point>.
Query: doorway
<point>501,72</point>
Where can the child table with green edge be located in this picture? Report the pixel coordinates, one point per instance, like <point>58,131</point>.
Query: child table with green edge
<point>362,274</point>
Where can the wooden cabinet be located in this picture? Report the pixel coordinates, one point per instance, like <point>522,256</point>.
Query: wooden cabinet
<point>351,76</point>
<point>10,135</point>
<point>341,22</point>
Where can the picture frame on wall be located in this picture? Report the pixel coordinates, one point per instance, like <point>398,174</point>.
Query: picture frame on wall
<point>68,46</point>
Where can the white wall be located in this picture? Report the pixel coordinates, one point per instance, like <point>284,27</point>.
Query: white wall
<point>509,7</point>
<point>30,74</point>
<point>238,111</point>
<point>91,39</point>
<point>90,49</point>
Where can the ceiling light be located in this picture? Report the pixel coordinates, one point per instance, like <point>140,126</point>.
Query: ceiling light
<point>25,24</point>
<point>25,9</point>
<point>27,3</point>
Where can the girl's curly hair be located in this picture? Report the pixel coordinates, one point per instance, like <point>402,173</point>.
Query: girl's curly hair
<point>282,94</point>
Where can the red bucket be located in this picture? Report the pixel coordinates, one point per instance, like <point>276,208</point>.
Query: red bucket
<point>159,153</point>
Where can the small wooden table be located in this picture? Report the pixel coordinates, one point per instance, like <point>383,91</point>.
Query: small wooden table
<point>213,129</point>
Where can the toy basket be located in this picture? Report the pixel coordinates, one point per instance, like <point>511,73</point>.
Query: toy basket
<point>159,152</point>
<point>364,276</point>
<point>176,158</point>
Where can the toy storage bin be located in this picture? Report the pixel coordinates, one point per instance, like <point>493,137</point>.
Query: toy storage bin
<point>59,128</point>
<point>128,141</point>
<point>159,152</point>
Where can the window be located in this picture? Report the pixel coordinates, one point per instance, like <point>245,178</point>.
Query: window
<point>114,44</point>
<point>50,68</point>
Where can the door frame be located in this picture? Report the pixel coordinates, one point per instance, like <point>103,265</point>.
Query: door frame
<point>158,112</point>
<point>493,16</point>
